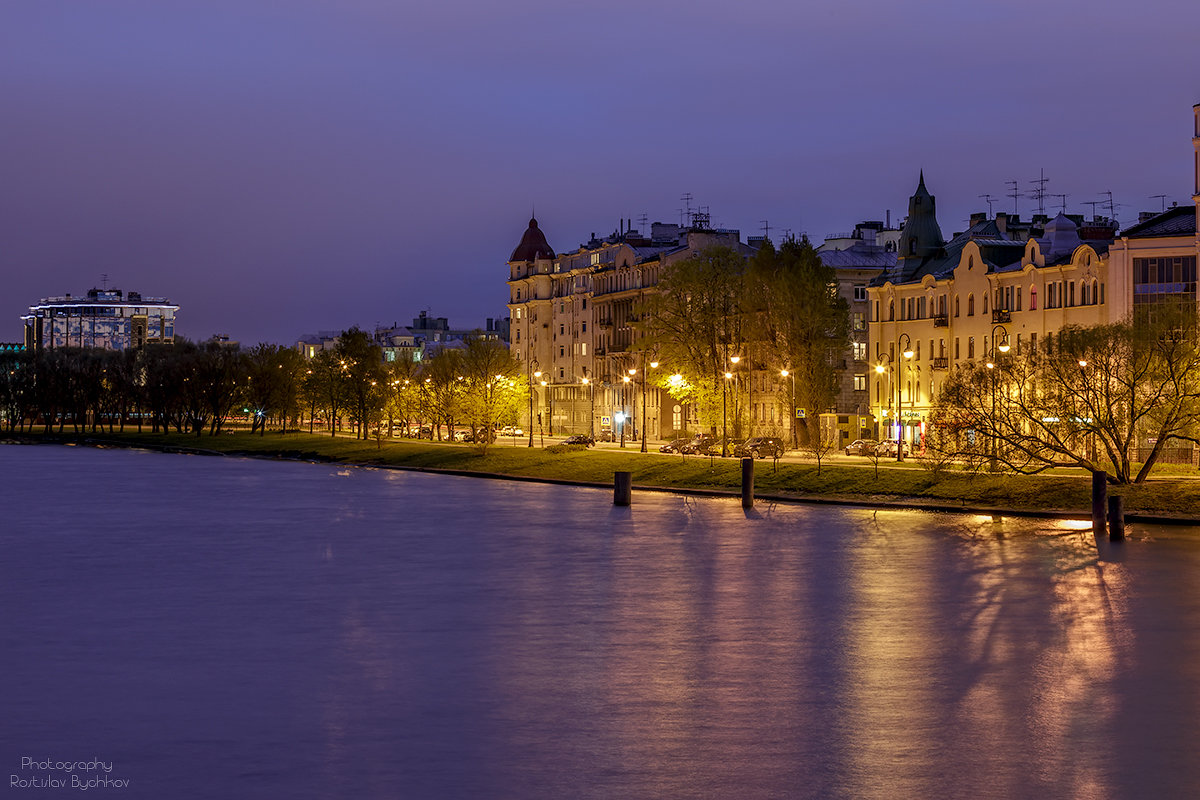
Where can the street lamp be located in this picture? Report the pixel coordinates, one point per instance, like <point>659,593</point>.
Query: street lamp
<point>724,423</point>
<point>904,344</point>
<point>645,375</point>
<point>592,419</point>
<point>533,373</point>
<point>625,381</point>
<point>784,373</point>
<point>1003,347</point>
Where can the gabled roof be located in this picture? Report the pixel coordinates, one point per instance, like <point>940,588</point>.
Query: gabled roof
<point>1176,221</point>
<point>996,250</point>
<point>859,255</point>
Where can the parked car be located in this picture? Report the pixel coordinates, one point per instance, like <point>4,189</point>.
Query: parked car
<point>511,430</point>
<point>862,447</point>
<point>760,447</point>
<point>887,448</point>
<point>714,446</point>
<point>699,444</point>
<point>580,438</point>
<point>674,446</point>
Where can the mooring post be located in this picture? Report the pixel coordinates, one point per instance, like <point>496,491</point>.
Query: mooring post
<point>1099,494</point>
<point>622,488</point>
<point>1116,518</point>
<point>747,483</point>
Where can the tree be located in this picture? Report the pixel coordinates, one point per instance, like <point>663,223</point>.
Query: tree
<point>363,375</point>
<point>694,321</point>
<point>1102,397</point>
<point>800,316</point>
<point>492,387</point>
<point>443,382</point>
<point>272,384</point>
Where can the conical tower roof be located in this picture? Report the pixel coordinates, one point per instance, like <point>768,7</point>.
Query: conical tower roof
<point>922,236</point>
<point>533,245</point>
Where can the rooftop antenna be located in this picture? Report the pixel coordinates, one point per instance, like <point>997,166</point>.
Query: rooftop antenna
<point>680,210</point>
<point>987,198</point>
<point>1039,193</point>
<point>1112,209</point>
<point>687,202</point>
<point>1062,198</point>
<point>104,281</point>
<point>766,229</point>
<point>1161,197</point>
<point>1014,194</point>
<point>1093,204</point>
<point>787,234</point>
<point>643,219</point>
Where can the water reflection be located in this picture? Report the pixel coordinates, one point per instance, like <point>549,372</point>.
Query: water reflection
<point>288,630</point>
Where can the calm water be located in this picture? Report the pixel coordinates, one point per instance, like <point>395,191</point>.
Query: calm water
<point>222,628</point>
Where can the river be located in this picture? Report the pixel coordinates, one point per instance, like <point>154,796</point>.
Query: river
<point>215,627</point>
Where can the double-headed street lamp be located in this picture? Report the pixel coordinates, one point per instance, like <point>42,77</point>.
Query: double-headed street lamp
<point>625,384</point>
<point>645,376</point>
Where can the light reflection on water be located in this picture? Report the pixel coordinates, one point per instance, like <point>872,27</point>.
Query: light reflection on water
<point>249,629</point>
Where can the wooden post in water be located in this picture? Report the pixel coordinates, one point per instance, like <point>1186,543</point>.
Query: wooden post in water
<point>1099,495</point>
<point>1116,518</point>
<point>747,483</point>
<point>622,488</point>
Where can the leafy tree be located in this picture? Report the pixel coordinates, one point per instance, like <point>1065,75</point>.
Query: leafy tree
<point>492,388</point>
<point>802,320</point>
<point>1092,399</point>
<point>363,376</point>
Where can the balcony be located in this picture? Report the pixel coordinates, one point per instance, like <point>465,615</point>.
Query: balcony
<point>941,321</point>
<point>1001,315</point>
<point>941,363</point>
<point>599,351</point>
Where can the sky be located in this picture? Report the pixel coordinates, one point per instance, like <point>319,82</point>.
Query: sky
<point>279,167</point>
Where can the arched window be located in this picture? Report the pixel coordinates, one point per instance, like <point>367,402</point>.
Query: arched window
<point>956,307</point>
<point>970,305</point>
<point>891,310</point>
<point>912,247</point>
<point>1033,298</point>
<point>985,298</point>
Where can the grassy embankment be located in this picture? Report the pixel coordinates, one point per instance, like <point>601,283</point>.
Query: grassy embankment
<point>801,480</point>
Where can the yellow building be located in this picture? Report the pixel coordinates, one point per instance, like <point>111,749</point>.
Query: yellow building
<point>967,299</point>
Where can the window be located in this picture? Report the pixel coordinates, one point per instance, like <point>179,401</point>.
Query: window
<point>956,352</point>
<point>1033,342</point>
<point>917,355</point>
<point>985,299</point>
<point>921,308</point>
<point>561,372</point>
<point>859,350</point>
<point>875,313</point>
<point>561,329</point>
<point>956,309</point>
<point>1071,293</point>
<point>1032,298</point>
<point>583,348</point>
<point>970,347</point>
<point>859,320</point>
<point>518,310</point>
<point>891,310</point>
<point>860,383</point>
<point>970,306</point>
<point>562,351</point>
<point>583,327</point>
<point>1018,298</point>
<point>860,291</point>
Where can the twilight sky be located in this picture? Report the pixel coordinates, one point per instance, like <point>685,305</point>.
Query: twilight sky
<point>276,167</point>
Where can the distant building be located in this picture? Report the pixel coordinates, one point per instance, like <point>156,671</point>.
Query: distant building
<point>105,318</point>
<point>424,338</point>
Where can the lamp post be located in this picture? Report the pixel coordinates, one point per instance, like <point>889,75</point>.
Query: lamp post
<point>784,373</point>
<point>534,372</point>
<point>904,344</point>
<point>592,418</point>
<point>991,365</point>
<point>724,422</point>
<point>645,375</point>
<point>880,370</point>
<point>624,387</point>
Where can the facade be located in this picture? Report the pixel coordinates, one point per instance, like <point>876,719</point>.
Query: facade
<point>425,337</point>
<point>953,302</point>
<point>105,318</point>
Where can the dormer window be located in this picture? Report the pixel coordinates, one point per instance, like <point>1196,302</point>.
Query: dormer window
<point>912,247</point>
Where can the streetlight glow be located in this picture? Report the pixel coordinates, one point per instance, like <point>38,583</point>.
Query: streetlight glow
<point>734,359</point>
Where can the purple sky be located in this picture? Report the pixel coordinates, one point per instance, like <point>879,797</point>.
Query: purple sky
<point>276,167</point>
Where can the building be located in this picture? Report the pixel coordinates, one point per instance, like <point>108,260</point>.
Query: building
<point>104,318</point>
<point>950,302</point>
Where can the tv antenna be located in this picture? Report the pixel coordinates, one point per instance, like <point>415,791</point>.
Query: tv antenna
<point>642,220</point>
<point>987,198</point>
<point>1014,194</point>
<point>1039,193</point>
<point>1062,198</point>
<point>787,234</point>
<point>1161,197</point>
<point>104,281</point>
<point>1093,204</point>
<point>766,229</point>
<point>687,202</point>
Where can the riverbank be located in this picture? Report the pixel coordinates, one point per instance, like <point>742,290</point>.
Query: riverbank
<point>1165,499</point>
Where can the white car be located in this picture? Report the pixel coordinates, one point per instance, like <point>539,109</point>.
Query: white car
<point>509,430</point>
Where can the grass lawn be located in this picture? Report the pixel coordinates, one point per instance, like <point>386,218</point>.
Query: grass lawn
<point>1164,495</point>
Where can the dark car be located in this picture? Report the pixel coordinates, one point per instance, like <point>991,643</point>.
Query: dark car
<point>862,447</point>
<point>699,444</point>
<point>760,447</point>
<point>580,438</point>
<point>720,447</point>
<point>674,446</point>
